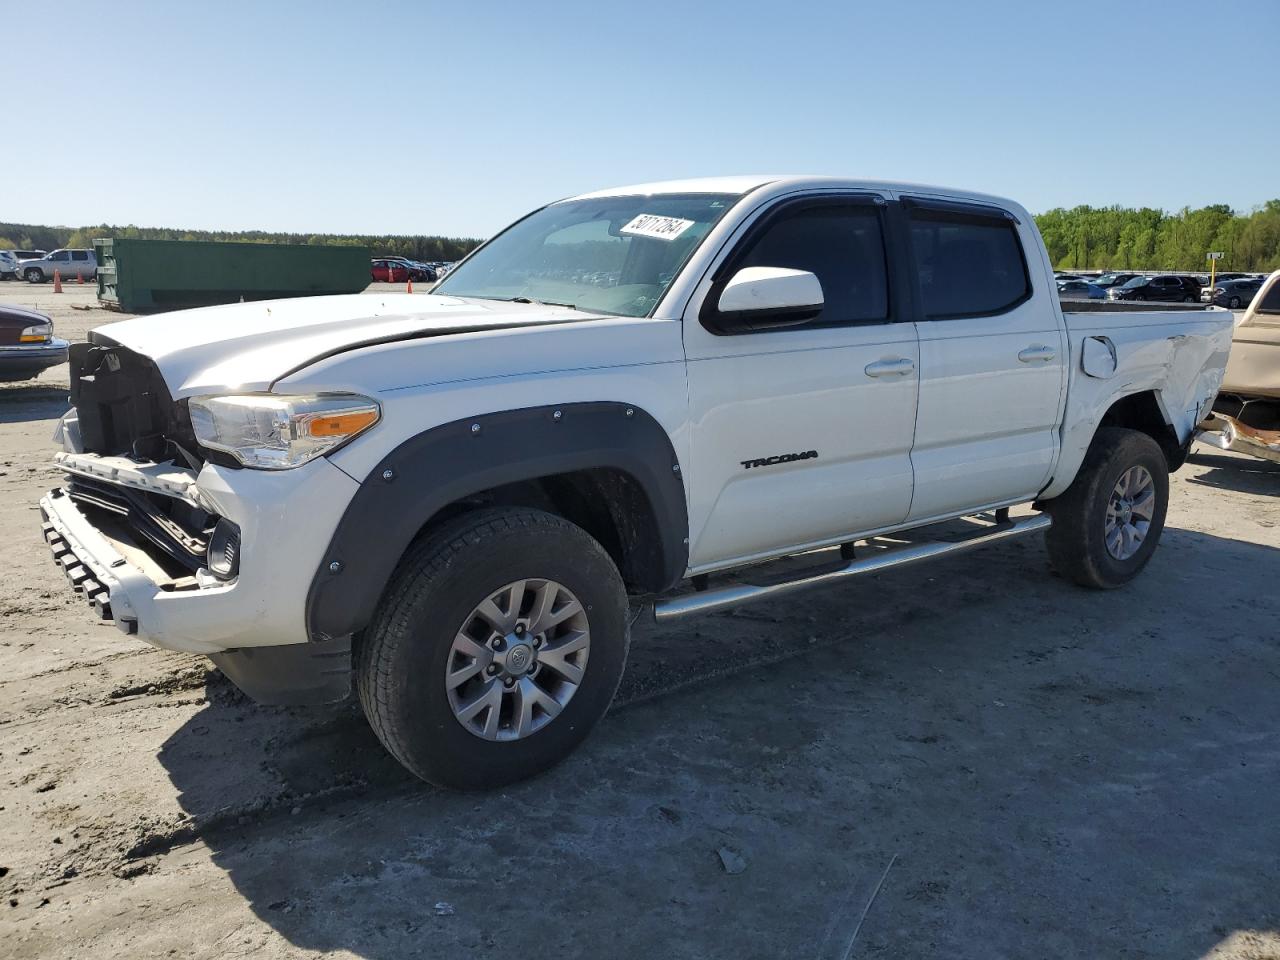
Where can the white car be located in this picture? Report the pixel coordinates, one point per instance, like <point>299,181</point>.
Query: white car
<point>472,484</point>
<point>8,265</point>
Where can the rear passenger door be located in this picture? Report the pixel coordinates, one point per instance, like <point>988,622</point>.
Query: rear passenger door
<point>992,360</point>
<point>1167,288</point>
<point>802,434</point>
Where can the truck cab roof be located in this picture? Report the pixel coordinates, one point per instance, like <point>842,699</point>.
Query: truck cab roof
<point>773,185</point>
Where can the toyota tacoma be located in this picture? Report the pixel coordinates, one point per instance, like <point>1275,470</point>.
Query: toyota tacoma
<point>630,399</point>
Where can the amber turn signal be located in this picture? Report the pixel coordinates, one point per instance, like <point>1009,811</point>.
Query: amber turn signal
<point>342,424</point>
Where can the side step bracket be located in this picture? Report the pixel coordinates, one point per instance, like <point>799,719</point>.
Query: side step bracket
<point>724,598</point>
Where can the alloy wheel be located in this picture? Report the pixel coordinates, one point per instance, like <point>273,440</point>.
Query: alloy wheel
<point>1129,512</point>
<point>518,659</point>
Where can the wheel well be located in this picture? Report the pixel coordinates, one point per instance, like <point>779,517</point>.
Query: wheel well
<point>607,503</point>
<point>1141,412</point>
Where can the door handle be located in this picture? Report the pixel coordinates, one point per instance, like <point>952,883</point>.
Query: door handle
<point>898,367</point>
<point>1034,354</point>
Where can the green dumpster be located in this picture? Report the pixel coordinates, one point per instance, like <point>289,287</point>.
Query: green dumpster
<point>141,276</point>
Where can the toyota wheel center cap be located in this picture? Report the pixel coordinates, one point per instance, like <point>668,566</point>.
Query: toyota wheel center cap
<point>519,658</point>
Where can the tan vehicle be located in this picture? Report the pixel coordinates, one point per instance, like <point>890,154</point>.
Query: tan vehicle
<point>1246,415</point>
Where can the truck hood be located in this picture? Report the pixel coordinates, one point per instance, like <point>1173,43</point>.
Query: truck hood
<point>246,347</point>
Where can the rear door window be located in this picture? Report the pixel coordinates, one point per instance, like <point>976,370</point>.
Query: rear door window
<point>969,264</point>
<point>79,255</point>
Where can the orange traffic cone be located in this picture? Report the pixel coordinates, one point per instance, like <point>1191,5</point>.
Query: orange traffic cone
<point>408,287</point>
<point>80,277</point>
<point>57,281</point>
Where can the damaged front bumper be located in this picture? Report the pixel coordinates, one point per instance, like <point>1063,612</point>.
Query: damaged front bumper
<point>253,625</point>
<point>1227,433</point>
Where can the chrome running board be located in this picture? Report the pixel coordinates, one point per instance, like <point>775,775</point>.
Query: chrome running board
<point>724,598</point>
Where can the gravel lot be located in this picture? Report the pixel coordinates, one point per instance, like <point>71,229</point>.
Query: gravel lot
<point>973,759</point>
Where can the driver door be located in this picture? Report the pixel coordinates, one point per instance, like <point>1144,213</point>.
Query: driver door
<point>802,434</point>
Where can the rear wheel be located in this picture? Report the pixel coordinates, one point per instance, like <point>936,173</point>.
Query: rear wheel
<point>497,647</point>
<point>1107,524</point>
<point>34,275</point>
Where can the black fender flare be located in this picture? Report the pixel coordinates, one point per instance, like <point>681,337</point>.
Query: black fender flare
<point>457,460</point>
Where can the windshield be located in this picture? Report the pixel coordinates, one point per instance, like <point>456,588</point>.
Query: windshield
<point>1136,282</point>
<point>614,255</point>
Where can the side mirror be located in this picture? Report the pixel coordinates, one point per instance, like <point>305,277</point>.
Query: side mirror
<point>763,298</point>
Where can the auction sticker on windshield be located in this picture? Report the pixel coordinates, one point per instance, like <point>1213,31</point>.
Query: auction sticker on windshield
<point>659,228</point>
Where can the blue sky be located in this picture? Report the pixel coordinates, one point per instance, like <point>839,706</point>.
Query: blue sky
<point>456,118</point>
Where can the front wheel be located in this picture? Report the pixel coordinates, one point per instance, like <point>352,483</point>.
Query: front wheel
<point>34,275</point>
<point>1108,522</point>
<point>497,647</point>
<point>1234,303</point>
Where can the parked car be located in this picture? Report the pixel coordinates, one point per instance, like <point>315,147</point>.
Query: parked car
<point>491,475</point>
<point>389,271</point>
<point>1233,294</point>
<point>69,264</point>
<point>27,343</point>
<point>8,265</point>
<point>1080,290</point>
<point>1109,280</point>
<point>418,270</point>
<point>1167,288</point>
<point>1246,413</point>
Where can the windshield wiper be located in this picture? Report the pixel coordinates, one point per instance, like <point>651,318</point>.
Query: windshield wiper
<point>541,303</point>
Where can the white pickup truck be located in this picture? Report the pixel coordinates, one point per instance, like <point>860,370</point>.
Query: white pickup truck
<point>626,394</point>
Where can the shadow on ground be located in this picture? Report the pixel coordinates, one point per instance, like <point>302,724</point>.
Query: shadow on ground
<point>24,402</point>
<point>1244,475</point>
<point>1042,771</point>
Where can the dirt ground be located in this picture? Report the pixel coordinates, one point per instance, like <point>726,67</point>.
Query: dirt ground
<point>973,759</point>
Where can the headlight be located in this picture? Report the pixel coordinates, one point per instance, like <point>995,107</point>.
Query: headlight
<point>37,333</point>
<point>272,432</point>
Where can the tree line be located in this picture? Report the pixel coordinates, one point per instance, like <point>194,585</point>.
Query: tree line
<point>1126,239</point>
<point>26,236</point>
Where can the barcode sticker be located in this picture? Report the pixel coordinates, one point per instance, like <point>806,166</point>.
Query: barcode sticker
<point>659,228</point>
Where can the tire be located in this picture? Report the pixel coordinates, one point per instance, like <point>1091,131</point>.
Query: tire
<point>1186,299</point>
<point>404,656</point>
<point>34,275</point>
<point>1234,303</point>
<point>1078,540</point>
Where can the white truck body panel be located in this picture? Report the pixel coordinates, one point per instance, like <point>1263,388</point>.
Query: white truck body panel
<point>1180,355</point>
<point>246,347</point>
<point>974,413</point>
